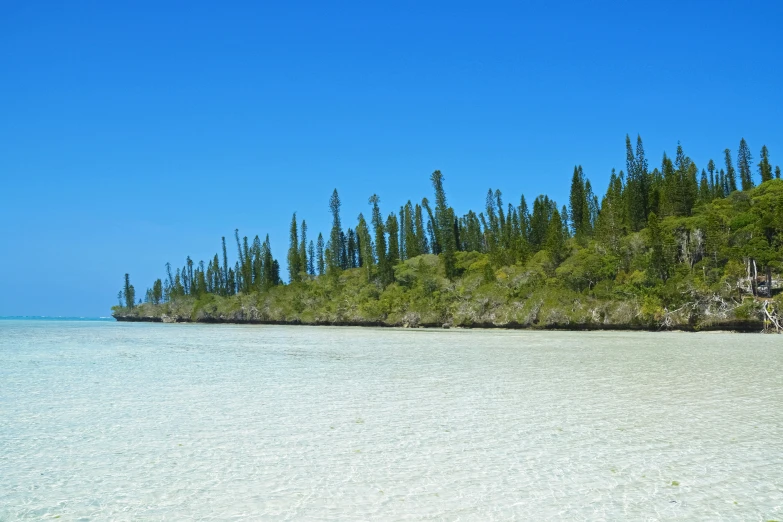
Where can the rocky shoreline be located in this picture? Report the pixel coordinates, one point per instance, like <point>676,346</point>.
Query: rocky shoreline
<point>736,326</point>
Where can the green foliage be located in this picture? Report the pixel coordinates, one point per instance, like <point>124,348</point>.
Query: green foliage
<point>555,238</point>
<point>699,242</point>
<point>744,159</point>
<point>294,259</point>
<point>335,242</point>
<point>586,267</point>
<point>765,168</point>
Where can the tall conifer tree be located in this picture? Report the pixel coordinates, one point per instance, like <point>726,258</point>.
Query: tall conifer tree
<point>392,227</point>
<point>444,222</point>
<point>384,266</point>
<point>744,159</point>
<point>303,266</point>
<point>765,168</point>
<point>659,263</point>
<point>364,244</point>
<point>333,262</point>
<point>555,238</point>
<point>225,267</point>
<point>577,202</point>
<point>352,248</point>
<point>293,252</point>
<point>320,254</point>
<point>636,186</point>
<point>412,246</point>
<point>129,293</point>
<point>730,175</point>
<point>423,246</point>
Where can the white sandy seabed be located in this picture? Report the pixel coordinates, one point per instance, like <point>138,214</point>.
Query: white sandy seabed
<point>150,421</point>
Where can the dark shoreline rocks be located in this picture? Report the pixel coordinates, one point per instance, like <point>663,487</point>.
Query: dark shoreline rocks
<point>737,326</point>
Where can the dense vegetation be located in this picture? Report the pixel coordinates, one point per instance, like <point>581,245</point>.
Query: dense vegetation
<point>671,247</point>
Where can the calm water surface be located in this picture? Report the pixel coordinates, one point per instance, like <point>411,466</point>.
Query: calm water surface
<point>126,421</point>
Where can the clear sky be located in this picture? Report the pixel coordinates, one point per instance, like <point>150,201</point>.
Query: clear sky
<point>135,133</point>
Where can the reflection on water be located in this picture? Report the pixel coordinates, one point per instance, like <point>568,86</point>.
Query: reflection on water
<point>120,421</point>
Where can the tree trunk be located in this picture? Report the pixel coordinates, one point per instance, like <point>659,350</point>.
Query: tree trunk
<point>769,281</point>
<point>755,277</point>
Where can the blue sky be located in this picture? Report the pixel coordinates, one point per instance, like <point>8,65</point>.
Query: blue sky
<point>136,134</point>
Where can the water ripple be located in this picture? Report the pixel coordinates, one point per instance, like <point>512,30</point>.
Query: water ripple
<point>154,421</point>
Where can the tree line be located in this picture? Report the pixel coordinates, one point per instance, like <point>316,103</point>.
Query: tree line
<point>636,199</point>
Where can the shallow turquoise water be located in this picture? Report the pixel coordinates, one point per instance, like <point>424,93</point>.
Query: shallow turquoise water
<point>102,420</point>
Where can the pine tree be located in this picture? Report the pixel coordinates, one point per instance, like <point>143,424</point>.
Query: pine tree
<point>432,230</point>
<point>609,224</point>
<point>471,235</point>
<point>715,191</point>
<point>591,208</point>
<point>270,274</point>
<point>311,258</point>
<point>519,248</point>
<point>744,159</point>
<point>333,260</point>
<point>294,267</point>
<point>276,273</point>
<point>185,281</point>
<point>409,231</point>
<point>656,190</point>
<point>539,221</point>
<point>178,288</point>
<point>232,283</point>
<point>704,188</point>
<point>352,249</point>
<point>577,202</point>
<point>636,186</point>
<point>524,219</point>
<point>564,221</point>
<point>501,222</point>
<point>444,226</point>
<point>364,247</point>
<point>423,246</point>
<point>191,280</point>
<point>256,262</point>
<point>392,227</point>
<point>643,173</point>
<point>129,293</point>
<point>401,234</point>
<point>244,274</point>
<point>170,279</point>
<point>687,186</point>
<point>659,263</point>
<point>343,251</point>
<point>675,183</point>
<point>320,254</point>
<point>731,176</point>
<point>456,230</point>
<point>555,239</point>
<point>777,172</point>
<point>385,272</point>
<point>581,212</point>
<point>303,265</point>
<point>201,281</point>
<point>765,168</point>
<point>225,268</point>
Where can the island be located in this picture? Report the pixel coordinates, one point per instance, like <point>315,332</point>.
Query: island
<point>670,248</point>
